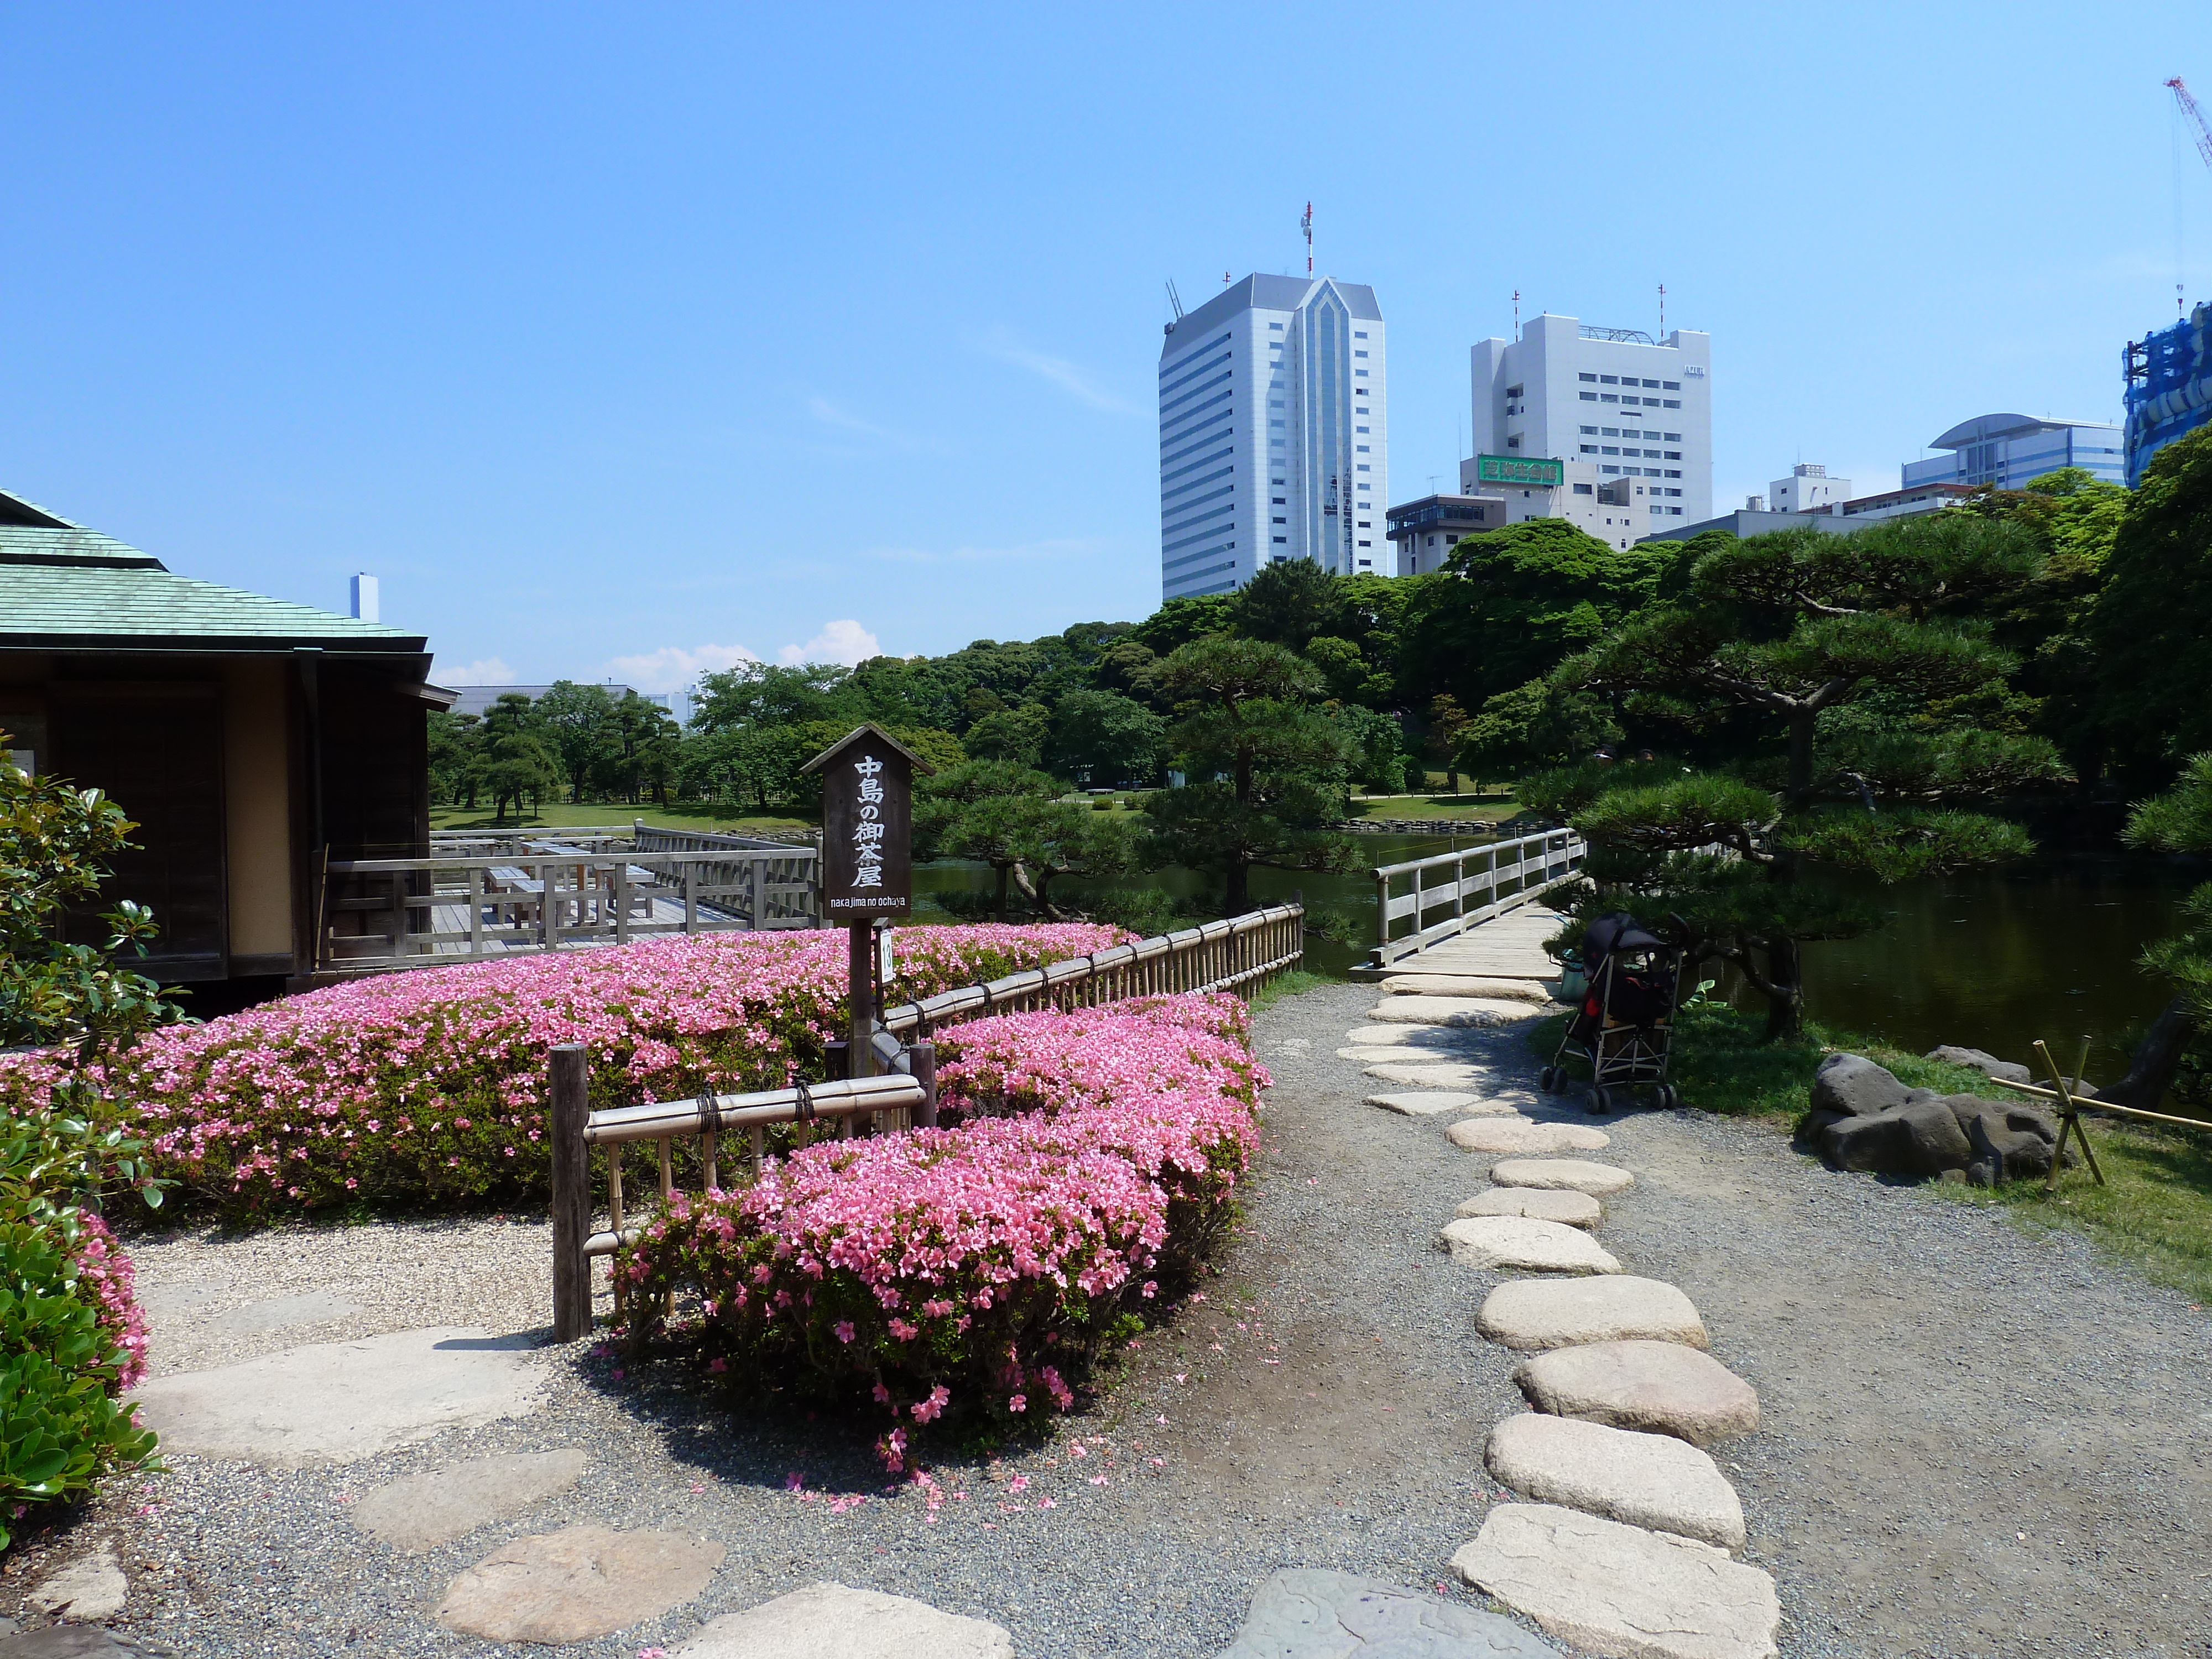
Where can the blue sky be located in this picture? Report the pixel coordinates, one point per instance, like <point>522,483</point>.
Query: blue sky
<point>620,340</point>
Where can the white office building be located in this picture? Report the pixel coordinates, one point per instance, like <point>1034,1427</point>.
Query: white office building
<point>1274,435</point>
<point>1638,411</point>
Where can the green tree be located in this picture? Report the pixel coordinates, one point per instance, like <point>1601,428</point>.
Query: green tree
<point>578,722</point>
<point>1011,734</point>
<point>2152,626</point>
<point>1287,603</point>
<point>455,741</point>
<point>2179,821</point>
<point>1267,768</point>
<point>768,694</point>
<point>1178,621</point>
<point>1447,725</point>
<point>1104,737</point>
<point>514,759</point>
<point>1775,636</point>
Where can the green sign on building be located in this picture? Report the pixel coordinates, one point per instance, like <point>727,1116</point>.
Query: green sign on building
<point>1516,470</point>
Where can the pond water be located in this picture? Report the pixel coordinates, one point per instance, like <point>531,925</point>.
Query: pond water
<point>1990,961</point>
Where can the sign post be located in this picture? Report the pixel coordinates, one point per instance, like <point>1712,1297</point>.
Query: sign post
<point>867,858</point>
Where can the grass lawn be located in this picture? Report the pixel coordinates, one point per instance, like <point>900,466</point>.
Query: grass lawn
<point>1287,985</point>
<point>1491,809</point>
<point>2154,1213</point>
<point>681,815</point>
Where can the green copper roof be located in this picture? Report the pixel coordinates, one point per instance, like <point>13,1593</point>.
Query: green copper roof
<point>65,587</point>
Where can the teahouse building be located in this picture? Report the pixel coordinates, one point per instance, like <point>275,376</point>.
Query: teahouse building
<point>252,739</point>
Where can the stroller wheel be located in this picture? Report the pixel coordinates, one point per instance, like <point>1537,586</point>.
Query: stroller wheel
<point>1548,1081</point>
<point>1670,1097</point>
<point>1601,1100</point>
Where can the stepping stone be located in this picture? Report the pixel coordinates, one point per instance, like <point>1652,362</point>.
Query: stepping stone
<point>829,1622</point>
<point>1394,1054</point>
<point>1517,1241</point>
<point>66,1642</point>
<point>1437,1076</point>
<point>1462,1013</point>
<point>1559,1313</point>
<point>577,1583</point>
<point>1467,984</point>
<point>1429,1102</point>
<point>1563,1175</point>
<point>1573,1208</point>
<point>279,1312</point>
<point>1645,1480</point>
<point>1491,1135</point>
<point>338,1402</point>
<point>1308,1613</point>
<point>426,1511</point>
<point>1410,1036</point>
<point>1661,1388</point>
<point>90,1588</point>
<point>1621,1590</point>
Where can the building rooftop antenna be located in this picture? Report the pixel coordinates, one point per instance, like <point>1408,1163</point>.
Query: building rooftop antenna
<point>1306,225</point>
<point>1517,313</point>
<point>1662,311</point>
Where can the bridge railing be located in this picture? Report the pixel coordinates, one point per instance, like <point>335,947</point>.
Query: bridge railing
<point>1475,885</point>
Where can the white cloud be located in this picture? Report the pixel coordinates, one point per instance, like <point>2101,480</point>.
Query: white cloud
<point>844,420</point>
<point>1068,377</point>
<point>845,641</point>
<point>673,667</point>
<point>489,671</point>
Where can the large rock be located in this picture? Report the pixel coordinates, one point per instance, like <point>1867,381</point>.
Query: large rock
<point>1516,1242</point>
<point>425,1510</point>
<point>572,1585</point>
<point>1464,1012</point>
<point>1307,1613</point>
<point>1562,1205</point>
<point>1851,1086</point>
<point>1392,1054</point>
<point>67,1642</point>
<point>1620,1590</point>
<point>1645,1480</point>
<point>2004,1071</point>
<point>337,1402</point>
<point>88,1588</point>
<point>1577,1174</point>
<point>1439,1076</point>
<point>1658,1388</point>
<point>1558,1313</point>
<point>1410,1037</point>
<point>1468,985</point>
<point>1428,1103</point>
<point>2005,1142</point>
<point>1922,1138</point>
<point>831,1621</point>
<point>1505,1137</point>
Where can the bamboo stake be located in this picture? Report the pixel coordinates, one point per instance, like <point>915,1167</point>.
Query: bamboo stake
<point>2069,1118</point>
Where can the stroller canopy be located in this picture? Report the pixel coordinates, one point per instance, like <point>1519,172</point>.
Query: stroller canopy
<point>1616,931</point>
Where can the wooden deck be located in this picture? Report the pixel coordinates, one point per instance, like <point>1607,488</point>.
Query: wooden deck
<point>1508,946</point>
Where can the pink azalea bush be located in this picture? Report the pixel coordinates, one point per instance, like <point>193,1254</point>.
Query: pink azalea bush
<point>980,1266</point>
<point>429,1086</point>
<point>105,1279</point>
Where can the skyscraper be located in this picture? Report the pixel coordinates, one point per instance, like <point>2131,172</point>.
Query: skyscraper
<point>1273,434</point>
<point>1637,408</point>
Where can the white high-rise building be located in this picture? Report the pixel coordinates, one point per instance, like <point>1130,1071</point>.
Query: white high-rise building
<point>1638,409</point>
<point>1273,434</point>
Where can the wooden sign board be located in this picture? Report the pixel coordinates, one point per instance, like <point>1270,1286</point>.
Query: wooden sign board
<point>868,821</point>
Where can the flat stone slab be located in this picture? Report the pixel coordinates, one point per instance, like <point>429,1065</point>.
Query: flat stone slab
<point>830,1621</point>
<point>1468,985</point>
<point>1450,1040</point>
<point>65,1641</point>
<point>1429,1102</point>
<point>1478,1135</point>
<point>1573,1208</point>
<point>1620,1590</point>
<point>1645,1480</point>
<point>1547,1246</point>
<point>1394,1054</point>
<point>1559,1313</point>
<point>577,1583</point>
<point>1441,1075</point>
<point>425,1510</point>
<point>1563,1175</point>
<point>338,1402</point>
<point>1308,1613</point>
<point>281,1312</point>
<point>1660,1387</point>
<point>88,1588</point>
<point>1462,1013</point>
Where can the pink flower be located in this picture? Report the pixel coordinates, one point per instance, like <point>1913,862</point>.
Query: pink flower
<point>1020,1483</point>
<point>929,1410</point>
<point>1019,1402</point>
<point>843,1330</point>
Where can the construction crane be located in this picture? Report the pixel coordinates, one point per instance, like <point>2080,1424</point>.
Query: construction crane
<point>2180,90</point>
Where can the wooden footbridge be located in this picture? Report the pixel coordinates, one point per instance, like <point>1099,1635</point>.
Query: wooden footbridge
<point>1477,912</point>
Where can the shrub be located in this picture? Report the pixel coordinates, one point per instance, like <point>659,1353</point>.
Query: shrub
<point>427,1086</point>
<point>980,1267</point>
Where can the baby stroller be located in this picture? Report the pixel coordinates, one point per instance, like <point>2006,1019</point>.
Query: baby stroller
<point>1626,1020</point>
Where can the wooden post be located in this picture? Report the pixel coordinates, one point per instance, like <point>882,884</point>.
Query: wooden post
<point>690,896</point>
<point>861,970</point>
<point>476,909</point>
<point>923,1058</point>
<point>568,1086</point>
<point>2069,1115</point>
<point>620,884</point>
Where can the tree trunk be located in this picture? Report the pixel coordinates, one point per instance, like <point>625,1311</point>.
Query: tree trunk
<point>1785,1001</point>
<point>1240,886</point>
<point>2155,1060</point>
<point>1801,758</point>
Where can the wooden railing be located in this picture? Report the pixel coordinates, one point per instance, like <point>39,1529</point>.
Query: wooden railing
<point>382,914</point>
<point>1477,883</point>
<point>1239,955</point>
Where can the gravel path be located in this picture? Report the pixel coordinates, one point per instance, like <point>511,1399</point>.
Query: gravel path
<point>1935,1383</point>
